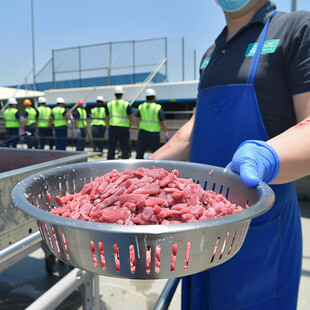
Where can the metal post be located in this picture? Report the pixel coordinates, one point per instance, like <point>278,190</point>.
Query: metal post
<point>33,49</point>
<point>195,65</point>
<point>166,295</point>
<point>134,61</point>
<point>66,286</point>
<point>166,53</point>
<point>293,5</point>
<point>109,64</point>
<point>90,292</point>
<point>53,69</point>
<point>80,64</point>
<point>34,87</point>
<point>183,73</point>
<point>147,80</point>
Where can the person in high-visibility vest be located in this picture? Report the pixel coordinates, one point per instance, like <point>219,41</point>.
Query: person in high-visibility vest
<point>80,122</point>
<point>30,124</point>
<point>150,120</point>
<point>11,117</point>
<point>120,122</point>
<point>60,121</point>
<point>44,124</point>
<point>99,122</point>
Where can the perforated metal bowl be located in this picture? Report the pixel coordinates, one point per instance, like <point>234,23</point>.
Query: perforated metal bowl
<point>105,248</point>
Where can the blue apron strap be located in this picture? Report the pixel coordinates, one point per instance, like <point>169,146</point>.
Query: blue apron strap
<point>255,60</point>
<point>204,71</point>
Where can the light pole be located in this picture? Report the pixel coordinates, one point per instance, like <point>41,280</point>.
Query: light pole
<point>293,6</point>
<point>33,49</point>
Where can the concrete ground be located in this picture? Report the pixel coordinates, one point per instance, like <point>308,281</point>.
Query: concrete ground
<point>23,283</point>
<point>26,281</point>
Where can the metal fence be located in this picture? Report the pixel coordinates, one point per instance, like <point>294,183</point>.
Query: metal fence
<point>112,63</point>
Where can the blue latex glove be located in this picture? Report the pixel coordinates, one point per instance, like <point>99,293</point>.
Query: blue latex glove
<point>255,161</point>
<point>147,157</point>
<point>167,136</point>
<point>79,132</point>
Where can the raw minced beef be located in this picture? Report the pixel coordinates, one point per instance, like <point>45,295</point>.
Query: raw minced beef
<point>143,197</point>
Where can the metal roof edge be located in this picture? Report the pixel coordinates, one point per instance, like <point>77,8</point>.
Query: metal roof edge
<point>152,85</point>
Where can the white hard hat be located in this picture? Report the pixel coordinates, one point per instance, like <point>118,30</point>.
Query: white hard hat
<point>12,101</point>
<point>118,90</point>
<point>41,100</point>
<point>60,100</point>
<point>99,98</point>
<point>150,92</point>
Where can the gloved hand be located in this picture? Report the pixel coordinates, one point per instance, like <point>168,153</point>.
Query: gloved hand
<point>79,132</point>
<point>147,157</point>
<point>255,161</point>
<point>167,136</point>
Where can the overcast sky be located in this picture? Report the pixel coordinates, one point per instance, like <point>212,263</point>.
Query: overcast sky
<point>61,24</point>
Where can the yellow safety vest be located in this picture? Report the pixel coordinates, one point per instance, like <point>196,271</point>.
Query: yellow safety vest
<point>31,118</point>
<point>10,118</point>
<point>98,116</point>
<point>118,113</point>
<point>82,122</point>
<point>59,119</point>
<point>149,116</point>
<point>44,116</point>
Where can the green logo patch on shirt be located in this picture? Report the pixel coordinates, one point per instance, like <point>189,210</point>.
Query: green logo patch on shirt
<point>205,63</point>
<point>268,47</point>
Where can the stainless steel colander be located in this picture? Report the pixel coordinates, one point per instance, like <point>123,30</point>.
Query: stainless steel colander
<point>122,251</point>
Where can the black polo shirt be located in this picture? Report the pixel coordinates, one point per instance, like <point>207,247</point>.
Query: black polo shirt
<point>283,69</point>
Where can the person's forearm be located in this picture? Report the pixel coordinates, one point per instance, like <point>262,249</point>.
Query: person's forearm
<point>163,125</point>
<point>130,120</point>
<point>68,116</point>
<point>293,149</point>
<point>178,147</point>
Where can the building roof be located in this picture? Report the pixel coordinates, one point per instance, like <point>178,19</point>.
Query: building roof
<point>8,92</point>
<point>168,91</point>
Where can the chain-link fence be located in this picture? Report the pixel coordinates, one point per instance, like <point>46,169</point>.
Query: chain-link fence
<point>113,63</point>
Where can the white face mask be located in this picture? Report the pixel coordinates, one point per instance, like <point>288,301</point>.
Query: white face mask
<point>232,5</point>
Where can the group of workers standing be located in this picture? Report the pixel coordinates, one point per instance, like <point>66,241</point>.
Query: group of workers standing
<point>33,120</point>
<point>50,125</point>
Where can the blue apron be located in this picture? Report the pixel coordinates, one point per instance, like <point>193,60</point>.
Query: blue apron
<point>265,273</point>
